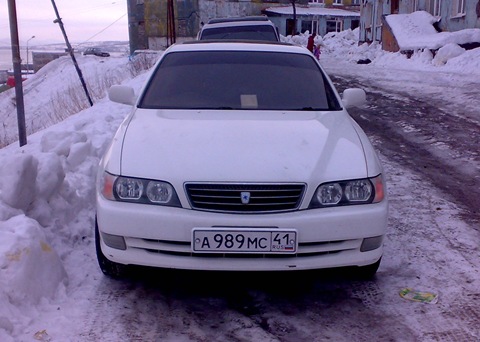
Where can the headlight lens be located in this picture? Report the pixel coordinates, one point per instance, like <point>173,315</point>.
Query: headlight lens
<point>138,190</point>
<point>128,188</point>
<point>349,192</point>
<point>159,192</point>
<point>358,190</point>
<point>330,194</point>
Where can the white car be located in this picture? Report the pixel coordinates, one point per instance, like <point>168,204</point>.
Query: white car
<point>246,28</point>
<point>242,157</point>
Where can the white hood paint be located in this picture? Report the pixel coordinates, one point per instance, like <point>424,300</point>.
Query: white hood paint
<point>248,146</point>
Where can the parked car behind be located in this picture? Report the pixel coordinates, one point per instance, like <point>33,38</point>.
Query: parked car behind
<point>241,157</point>
<point>247,28</point>
<point>96,51</point>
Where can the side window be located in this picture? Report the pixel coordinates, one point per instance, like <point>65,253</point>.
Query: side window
<point>458,7</point>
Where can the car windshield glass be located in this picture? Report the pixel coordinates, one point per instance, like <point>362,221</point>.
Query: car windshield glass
<point>255,32</point>
<point>239,80</point>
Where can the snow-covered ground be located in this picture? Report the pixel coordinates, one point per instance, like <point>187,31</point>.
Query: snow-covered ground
<point>47,260</point>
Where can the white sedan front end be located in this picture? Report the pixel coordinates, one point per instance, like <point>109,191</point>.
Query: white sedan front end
<point>248,183</point>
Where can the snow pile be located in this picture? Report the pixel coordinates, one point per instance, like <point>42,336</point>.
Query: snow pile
<point>45,94</point>
<point>415,31</point>
<point>47,204</point>
<point>411,28</point>
<point>447,52</point>
<point>343,44</point>
<point>47,198</point>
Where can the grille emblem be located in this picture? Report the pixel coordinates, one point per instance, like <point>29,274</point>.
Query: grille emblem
<point>245,196</point>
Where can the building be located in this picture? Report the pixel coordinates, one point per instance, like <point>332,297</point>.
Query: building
<point>42,58</point>
<point>452,15</point>
<point>148,20</point>
<point>314,18</point>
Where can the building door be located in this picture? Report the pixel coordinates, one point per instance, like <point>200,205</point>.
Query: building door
<point>290,27</point>
<point>394,6</point>
<point>355,23</point>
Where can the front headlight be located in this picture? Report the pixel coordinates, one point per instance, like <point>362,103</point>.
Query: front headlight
<point>138,190</point>
<point>349,192</point>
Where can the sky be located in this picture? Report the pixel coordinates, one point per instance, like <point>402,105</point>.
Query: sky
<point>47,200</point>
<point>84,20</point>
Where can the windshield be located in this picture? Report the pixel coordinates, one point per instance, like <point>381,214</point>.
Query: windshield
<point>254,32</point>
<point>238,80</point>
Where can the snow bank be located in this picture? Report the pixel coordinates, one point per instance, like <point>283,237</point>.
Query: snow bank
<point>47,197</point>
<point>30,268</point>
<point>415,31</point>
<point>411,28</point>
<point>447,52</point>
<point>55,92</point>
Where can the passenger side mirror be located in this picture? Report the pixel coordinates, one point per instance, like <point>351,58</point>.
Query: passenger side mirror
<point>122,94</point>
<point>354,97</point>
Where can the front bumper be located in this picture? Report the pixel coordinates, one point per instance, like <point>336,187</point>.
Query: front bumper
<point>161,236</point>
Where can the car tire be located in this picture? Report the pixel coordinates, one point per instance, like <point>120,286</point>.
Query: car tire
<point>108,267</point>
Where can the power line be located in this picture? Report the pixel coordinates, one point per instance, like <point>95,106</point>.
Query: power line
<point>103,30</point>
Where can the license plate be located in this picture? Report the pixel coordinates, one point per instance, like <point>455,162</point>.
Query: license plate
<point>244,240</point>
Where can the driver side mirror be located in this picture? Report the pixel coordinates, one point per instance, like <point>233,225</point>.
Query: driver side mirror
<point>354,97</point>
<point>122,94</point>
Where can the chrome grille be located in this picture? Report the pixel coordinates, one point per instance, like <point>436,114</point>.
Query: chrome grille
<point>245,198</point>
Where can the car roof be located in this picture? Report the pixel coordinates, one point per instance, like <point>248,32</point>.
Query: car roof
<point>237,45</point>
<point>238,19</point>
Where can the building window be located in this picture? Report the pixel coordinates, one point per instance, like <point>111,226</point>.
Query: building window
<point>310,26</point>
<point>316,1</point>
<point>435,7</point>
<point>334,25</point>
<point>458,7</point>
<point>356,2</point>
<point>338,2</point>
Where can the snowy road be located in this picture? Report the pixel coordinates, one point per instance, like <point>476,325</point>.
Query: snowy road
<point>431,136</point>
<point>432,246</point>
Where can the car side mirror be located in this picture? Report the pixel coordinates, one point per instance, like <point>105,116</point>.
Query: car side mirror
<point>354,97</point>
<point>122,94</point>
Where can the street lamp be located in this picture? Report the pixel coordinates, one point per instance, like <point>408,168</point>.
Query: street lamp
<point>28,66</point>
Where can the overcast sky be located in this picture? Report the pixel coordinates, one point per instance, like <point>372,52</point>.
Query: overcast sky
<point>84,20</point>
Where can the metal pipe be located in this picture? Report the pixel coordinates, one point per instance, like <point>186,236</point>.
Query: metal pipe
<point>17,73</point>
<point>28,65</point>
<point>70,50</point>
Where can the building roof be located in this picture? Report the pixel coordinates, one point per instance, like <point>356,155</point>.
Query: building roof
<point>318,11</point>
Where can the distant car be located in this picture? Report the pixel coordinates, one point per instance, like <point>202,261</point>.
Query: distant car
<point>239,156</point>
<point>96,51</point>
<point>243,28</point>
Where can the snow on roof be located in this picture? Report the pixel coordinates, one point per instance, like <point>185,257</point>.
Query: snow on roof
<point>319,11</point>
<point>415,31</point>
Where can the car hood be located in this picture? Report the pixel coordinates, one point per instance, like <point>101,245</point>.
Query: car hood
<point>247,146</point>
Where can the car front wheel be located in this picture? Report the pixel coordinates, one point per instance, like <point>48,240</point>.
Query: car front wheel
<point>109,268</point>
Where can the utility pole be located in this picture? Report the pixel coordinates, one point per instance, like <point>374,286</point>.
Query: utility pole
<point>171,35</point>
<point>70,50</point>
<point>17,73</point>
<point>294,29</point>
